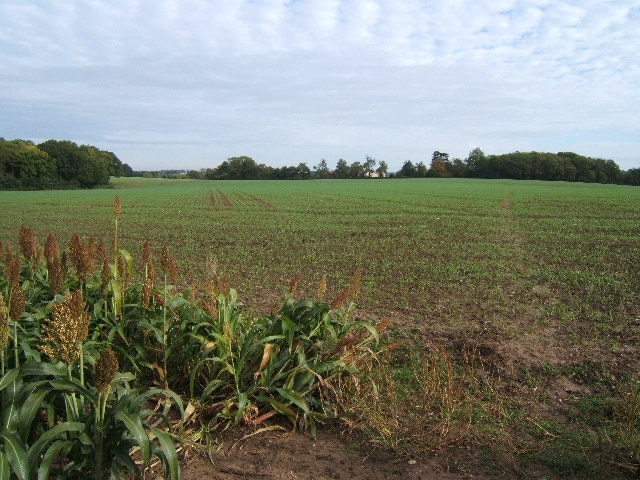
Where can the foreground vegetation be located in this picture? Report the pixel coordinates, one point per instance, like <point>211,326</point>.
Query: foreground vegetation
<point>510,312</point>
<point>67,409</point>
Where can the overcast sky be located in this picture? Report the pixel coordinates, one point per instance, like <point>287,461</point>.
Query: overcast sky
<point>190,83</point>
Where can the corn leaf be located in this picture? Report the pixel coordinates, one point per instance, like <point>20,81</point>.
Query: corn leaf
<point>49,457</point>
<point>294,398</point>
<point>49,436</point>
<point>8,378</point>
<point>170,457</point>
<point>45,369</point>
<point>138,433</point>
<point>16,455</point>
<point>284,410</point>
<point>30,407</point>
<point>10,405</point>
<point>123,459</point>
<point>72,386</point>
<point>4,467</point>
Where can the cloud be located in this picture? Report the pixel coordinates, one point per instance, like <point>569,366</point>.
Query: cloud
<point>195,81</point>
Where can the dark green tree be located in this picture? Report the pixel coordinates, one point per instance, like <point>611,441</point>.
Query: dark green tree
<point>408,170</point>
<point>382,169</point>
<point>342,169</point>
<point>356,170</point>
<point>321,170</point>
<point>477,163</point>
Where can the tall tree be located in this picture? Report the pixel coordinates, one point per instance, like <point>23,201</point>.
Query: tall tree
<point>438,164</point>
<point>342,169</point>
<point>368,166</point>
<point>476,162</point>
<point>382,169</point>
<point>408,169</point>
<point>321,170</point>
<point>356,170</point>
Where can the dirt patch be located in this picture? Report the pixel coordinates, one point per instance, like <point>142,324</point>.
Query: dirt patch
<point>330,456</point>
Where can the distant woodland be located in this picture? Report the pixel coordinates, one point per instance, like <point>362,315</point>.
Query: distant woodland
<point>63,164</point>
<point>56,165</point>
<point>565,166</point>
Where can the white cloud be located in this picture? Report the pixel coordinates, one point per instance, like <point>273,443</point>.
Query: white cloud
<point>288,81</point>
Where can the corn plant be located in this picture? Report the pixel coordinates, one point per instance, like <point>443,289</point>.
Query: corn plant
<point>289,363</point>
<point>56,421</point>
<point>98,439</point>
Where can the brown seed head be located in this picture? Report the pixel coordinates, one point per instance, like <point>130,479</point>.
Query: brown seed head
<point>6,253</point>
<point>117,206</point>
<point>66,329</point>
<point>101,252</point>
<point>123,270</point>
<point>18,302</point>
<point>28,243</point>
<point>51,248</point>
<point>106,368</point>
<point>12,269</point>
<point>211,307</point>
<point>4,324</point>
<point>340,299</point>
<point>54,268</point>
<point>355,286</point>
<point>293,285</point>
<point>147,259</point>
<point>322,288</point>
<point>80,256</point>
<point>147,287</point>
<point>169,265</point>
<point>146,252</point>
<point>214,286</point>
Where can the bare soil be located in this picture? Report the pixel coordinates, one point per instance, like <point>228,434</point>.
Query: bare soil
<point>330,456</point>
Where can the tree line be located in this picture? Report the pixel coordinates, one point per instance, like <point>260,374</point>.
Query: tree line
<point>56,164</point>
<point>565,166</point>
<point>63,164</point>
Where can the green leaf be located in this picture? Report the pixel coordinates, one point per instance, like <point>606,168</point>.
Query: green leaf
<point>16,455</point>
<point>10,405</point>
<point>211,387</point>
<point>4,467</point>
<point>41,369</point>
<point>168,448</point>
<point>128,260</point>
<point>152,392</point>
<point>115,287</point>
<point>137,431</point>
<point>123,459</point>
<point>35,451</point>
<point>372,330</point>
<point>294,398</point>
<point>49,456</point>
<point>72,386</point>
<point>8,378</point>
<point>30,407</point>
<point>284,410</point>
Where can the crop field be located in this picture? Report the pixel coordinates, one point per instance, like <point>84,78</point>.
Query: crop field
<point>540,280</point>
<point>439,251</point>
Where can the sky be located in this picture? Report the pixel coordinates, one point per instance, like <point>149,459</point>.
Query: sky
<point>186,84</point>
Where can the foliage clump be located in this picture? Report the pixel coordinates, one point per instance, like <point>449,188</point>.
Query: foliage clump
<point>96,345</point>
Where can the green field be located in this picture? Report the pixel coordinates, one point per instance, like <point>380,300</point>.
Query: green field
<point>446,250</point>
<point>542,279</point>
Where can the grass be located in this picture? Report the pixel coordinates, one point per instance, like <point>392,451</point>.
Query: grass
<point>525,295</point>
